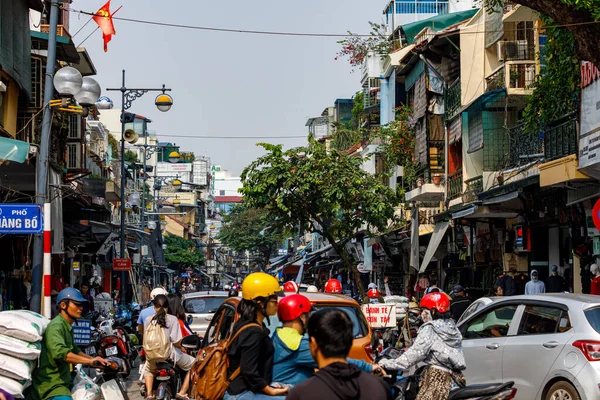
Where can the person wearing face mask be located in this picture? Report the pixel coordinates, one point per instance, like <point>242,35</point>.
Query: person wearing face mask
<point>507,282</point>
<point>438,344</point>
<point>555,282</point>
<point>535,286</point>
<point>293,362</point>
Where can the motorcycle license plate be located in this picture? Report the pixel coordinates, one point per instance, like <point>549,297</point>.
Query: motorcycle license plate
<point>90,351</point>
<point>111,351</point>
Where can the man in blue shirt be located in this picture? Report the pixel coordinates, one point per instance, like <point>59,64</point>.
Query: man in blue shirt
<point>148,311</point>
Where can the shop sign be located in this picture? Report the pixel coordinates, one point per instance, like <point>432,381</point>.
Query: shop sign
<point>589,140</point>
<point>592,230</point>
<point>20,219</point>
<point>121,264</point>
<point>82,332</point>
<point>75,265</point>
<point>380,315</point>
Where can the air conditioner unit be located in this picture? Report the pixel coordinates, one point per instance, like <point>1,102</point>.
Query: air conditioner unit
<point>512,50</point>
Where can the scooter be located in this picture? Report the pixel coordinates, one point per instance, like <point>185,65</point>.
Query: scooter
<point>110,379</point>
<point>406,387</point>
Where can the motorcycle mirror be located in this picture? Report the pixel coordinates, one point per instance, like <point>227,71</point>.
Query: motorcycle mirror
<point>375,342</point>
<point>191,342</point>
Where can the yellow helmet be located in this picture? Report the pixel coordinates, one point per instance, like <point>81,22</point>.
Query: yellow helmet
<point>259,284</point>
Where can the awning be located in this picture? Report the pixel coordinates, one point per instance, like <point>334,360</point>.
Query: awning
<point>13,150</point>
<point>65,49</point>
<point>503,198</point>
<point>398,56</point>
<point>436,23</point>
<point>169,271</point>
<point>434,243</point>
<point>464,213</point>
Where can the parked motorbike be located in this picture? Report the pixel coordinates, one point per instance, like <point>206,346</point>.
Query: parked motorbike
<point>110,379</point>
<point>406,386</point>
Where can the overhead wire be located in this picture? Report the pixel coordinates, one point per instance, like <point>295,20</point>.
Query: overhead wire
<point>235,137</point>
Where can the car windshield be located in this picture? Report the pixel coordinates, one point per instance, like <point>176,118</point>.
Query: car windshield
<point>593,317</point>
<point>359,325</point>
<point>202,305</point>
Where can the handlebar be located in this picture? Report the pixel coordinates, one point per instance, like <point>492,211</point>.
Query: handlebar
<point>111,365</point>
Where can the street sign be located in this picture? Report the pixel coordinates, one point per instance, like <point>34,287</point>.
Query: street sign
<point>19,219</point>
<point>75,265</point>
<point>596,215</point>
<point>121,264</point>
<point>82,332</point>
<point>380,315</point>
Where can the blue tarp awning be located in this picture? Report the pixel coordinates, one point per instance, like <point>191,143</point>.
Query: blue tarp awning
<point>13,150</point>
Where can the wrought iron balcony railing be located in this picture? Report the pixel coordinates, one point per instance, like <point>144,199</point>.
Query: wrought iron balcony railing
<point>560,140</point>
<point>512,75</point>
<point>453,99</point>
<point>523,147</point>
<point>474,187</point>
<point>455,184</point>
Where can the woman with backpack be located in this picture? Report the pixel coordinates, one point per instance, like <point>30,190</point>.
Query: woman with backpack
<point>162,341</point>
<point>251,352</point>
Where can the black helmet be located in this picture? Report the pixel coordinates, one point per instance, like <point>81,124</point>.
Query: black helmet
<point>233,293</point>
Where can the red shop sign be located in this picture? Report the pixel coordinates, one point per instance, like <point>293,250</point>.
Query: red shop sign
<point>121,264</point>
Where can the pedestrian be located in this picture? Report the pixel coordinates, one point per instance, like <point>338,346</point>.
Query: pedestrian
<point>148,311</point>
<point>433,286</point>
<point>438,345</point>
<point>330,340</point>
<point>52,379</point>
<point>555,282</point>
<point>252,351</point>
<point>507,282</point>
<point>535,286</point>
<point>89,306</point>
<point>459,303</point>
<point>293,362</point>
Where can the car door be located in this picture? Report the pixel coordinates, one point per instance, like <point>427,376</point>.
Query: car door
<point>211,335</point>
<point>544,330</point>
<point>484,338</point>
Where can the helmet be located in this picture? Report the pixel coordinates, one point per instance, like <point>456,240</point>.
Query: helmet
<point>292,307</point>
<point>290,287</point>
<point>372,285</point>
<point>312,289</point>
<point>156,291</point>
<point>440,301</point>
<point>134,339</point>
<point>226,288</point>
<point>233,293</point>
<point>259,284</point>
<point>373,293</point>
<point>333,286</point>
<point>71,294</point>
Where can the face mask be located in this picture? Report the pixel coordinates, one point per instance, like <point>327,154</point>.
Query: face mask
<point>426,316</point>
<point>534,278</point>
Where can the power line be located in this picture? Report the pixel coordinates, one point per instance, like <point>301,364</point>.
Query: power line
<point>234,137</point>
<point>304,34</point>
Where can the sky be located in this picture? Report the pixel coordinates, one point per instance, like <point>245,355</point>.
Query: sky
<point>228,84</point>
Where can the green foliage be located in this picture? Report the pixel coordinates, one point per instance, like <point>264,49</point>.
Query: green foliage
<point>396,140</point>
<point>250,229</point>
<point>344,138</point>
<point>355,48</point>
<point>181,252</point>
<point>556,90</point>
<point>357,109</point>
<point>591,6</point>
<point>114,145</point>
<point>130,156</point>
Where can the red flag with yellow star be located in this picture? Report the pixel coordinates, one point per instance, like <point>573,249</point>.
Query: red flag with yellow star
<point>104,20</point>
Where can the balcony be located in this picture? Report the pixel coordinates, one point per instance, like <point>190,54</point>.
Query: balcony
<point>523,148</point>
<point>560,140</point>
<point>453,99</point>
<point>372,97</point>
<point>474,187</point>
<point>60,30</point>
<point>455,185</point>
<point>406,11</point>
<point>514,76</point>
<point>429,185</point>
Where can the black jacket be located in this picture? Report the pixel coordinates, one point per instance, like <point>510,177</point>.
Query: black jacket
<point>458,306</point>
<point>555,284</point>
<point>340,381</point>
<point>253,351</point>
<point>509,287</point>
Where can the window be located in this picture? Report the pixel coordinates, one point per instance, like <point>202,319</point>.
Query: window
<point>540,319</point>
<point>221,193</point>
<point>211,333</point>
<point>495,323</point>
<point>226,323</point>
<point>593,317</point>
<point>202,305</point>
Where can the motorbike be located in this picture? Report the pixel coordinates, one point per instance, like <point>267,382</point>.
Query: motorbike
<point>110,378</point>
<point>406,386</point>
<point>167,376</point>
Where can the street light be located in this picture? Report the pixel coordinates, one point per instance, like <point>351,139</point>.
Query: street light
<point>163,102</point>
<point>174,157</point>
<point>128,95</point>
<point>90,93</point>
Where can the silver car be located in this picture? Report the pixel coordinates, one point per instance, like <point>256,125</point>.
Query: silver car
<point>548,344</point>
<point>200,308</point>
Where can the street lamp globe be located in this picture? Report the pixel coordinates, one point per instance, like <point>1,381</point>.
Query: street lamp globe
<point>90,93</point>
<point>174,157</point>
<point>176,183</point>
<point>67,81</point>
<point>163,102</point>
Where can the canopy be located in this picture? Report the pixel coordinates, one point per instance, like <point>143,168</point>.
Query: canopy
<point>436,23</point>
<point>13,150</point>
<point>434,243</point>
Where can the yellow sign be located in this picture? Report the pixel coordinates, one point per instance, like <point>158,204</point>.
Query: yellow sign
<point>75,265</point>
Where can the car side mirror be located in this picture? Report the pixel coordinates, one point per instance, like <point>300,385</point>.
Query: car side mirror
<point>191,342</point>
<point>189,319</point>
<point>375,342</point>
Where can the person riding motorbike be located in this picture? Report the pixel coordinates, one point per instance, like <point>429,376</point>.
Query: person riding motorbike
<point>293,362</point>
<point>148,311</point>
<point>333,286</point>
<point>290,287</point>
<point>252,350</point>
<point>438,344</point>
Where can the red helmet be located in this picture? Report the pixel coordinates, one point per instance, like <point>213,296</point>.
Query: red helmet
<point>293,306</point>
<point>290,287</point>
<point>333,286</point>
<point>438,300</point>
<point>373,293</point>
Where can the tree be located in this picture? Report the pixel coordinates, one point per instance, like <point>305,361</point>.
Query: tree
<point>578,16</point>
<point>181,252</point>
<point>250,229</point>
<point>325,192</point>
<point>132,157</point>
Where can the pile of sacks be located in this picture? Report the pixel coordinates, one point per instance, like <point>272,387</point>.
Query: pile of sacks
<point>20,347</point>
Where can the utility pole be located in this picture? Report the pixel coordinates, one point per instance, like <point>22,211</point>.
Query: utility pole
<point>40,272</point>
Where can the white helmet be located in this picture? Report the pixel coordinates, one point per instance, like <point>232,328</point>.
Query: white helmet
<point>226,287</point>
<point>372,285</point>
<point>156,291</point>
<point>312,289</point>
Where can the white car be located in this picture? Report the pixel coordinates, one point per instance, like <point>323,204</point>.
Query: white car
<point>200,308</point>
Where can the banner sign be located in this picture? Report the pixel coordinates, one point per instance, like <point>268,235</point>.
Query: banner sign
<point>121,264</point>
<point>380,315</point>
<point>21,219</point>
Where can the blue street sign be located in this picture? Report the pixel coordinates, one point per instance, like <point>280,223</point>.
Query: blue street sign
<point>82,332</point>
<point>20,219</point>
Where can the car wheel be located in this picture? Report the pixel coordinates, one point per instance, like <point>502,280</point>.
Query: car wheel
<point>562,391</point>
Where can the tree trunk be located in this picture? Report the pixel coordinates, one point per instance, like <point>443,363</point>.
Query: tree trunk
<point>562,14</point>
<point>348,264</point>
